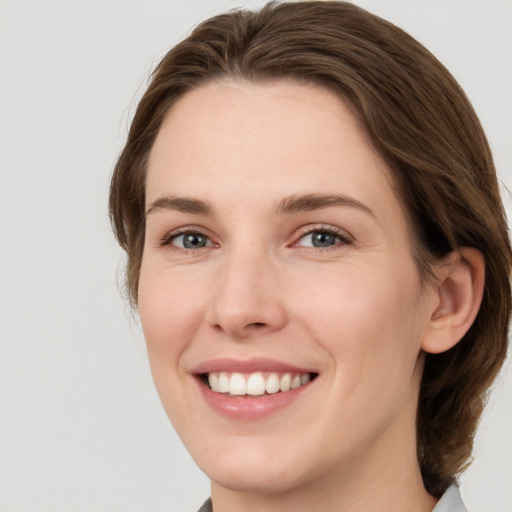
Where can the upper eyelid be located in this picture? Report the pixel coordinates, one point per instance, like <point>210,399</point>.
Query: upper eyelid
<point>345,238</point>
<point>175,233</point>
<point>311,228</point>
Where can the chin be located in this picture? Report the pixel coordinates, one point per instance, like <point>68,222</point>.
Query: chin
<point>270,478</point>
<point>253,469</point>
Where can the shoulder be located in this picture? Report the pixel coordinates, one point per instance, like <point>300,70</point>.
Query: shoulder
<point>451,501</point>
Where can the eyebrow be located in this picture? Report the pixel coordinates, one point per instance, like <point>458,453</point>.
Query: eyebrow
<point>310,202</point>
<point>287,205</point>
<point>180,204</point>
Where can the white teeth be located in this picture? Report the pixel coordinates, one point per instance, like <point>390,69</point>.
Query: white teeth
<point>213,381</point>
<point>272,384</point>
<point>255,384</point>
<point>296,381</point>
<point>285,383</point>
<point>304,378</point>
<point>237,384</point>
<point>223,383</point>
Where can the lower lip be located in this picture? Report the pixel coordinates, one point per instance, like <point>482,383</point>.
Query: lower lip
<point>250,408</point>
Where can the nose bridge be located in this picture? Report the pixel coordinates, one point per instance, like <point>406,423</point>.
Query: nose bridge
<point>246,298</point>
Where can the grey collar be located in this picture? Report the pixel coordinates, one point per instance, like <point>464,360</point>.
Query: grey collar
<point>451,501</point>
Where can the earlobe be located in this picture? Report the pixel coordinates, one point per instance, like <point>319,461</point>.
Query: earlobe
<point>458,297</point>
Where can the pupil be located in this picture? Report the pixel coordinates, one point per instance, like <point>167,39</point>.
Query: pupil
<point>322,239</point>
<point>194,241</point>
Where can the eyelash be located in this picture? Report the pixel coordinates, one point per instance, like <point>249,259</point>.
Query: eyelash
<point>344,239</point>
<point>167,239</point>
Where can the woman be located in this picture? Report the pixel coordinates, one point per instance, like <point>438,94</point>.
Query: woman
<point>320,259</point>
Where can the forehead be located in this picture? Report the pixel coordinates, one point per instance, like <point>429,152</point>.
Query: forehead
<point>239,140</point>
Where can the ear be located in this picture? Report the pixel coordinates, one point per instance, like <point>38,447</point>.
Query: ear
<point>457,298</point>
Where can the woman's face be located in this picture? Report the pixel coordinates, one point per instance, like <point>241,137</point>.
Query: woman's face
<point>277,263</point>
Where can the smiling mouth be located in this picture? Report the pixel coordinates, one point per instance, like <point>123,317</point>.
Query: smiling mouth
<point>257,384</point>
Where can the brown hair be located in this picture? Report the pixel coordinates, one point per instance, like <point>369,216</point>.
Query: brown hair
<point>424,128</point>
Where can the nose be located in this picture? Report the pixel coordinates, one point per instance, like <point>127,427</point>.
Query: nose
<point>247,298</point>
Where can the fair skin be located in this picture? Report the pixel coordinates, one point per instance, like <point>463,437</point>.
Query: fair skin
<point>275,244</point>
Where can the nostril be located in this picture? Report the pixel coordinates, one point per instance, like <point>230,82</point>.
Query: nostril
<point>257,324</point>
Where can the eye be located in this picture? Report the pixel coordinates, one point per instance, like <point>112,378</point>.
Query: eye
<point>190,240</point>
<point>322,238</point>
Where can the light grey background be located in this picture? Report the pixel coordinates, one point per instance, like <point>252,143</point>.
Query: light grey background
<point>81,427</point>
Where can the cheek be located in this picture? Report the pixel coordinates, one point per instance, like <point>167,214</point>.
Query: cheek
<point>370,323</point>
<point>167,301</point>
<point>169,312</point>
<point>169,308</point>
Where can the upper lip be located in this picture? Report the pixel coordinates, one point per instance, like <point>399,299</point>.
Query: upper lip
<point>230,365</point>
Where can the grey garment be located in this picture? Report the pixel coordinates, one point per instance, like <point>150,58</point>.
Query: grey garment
<point>450,502</point>
<point>207,506</point>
